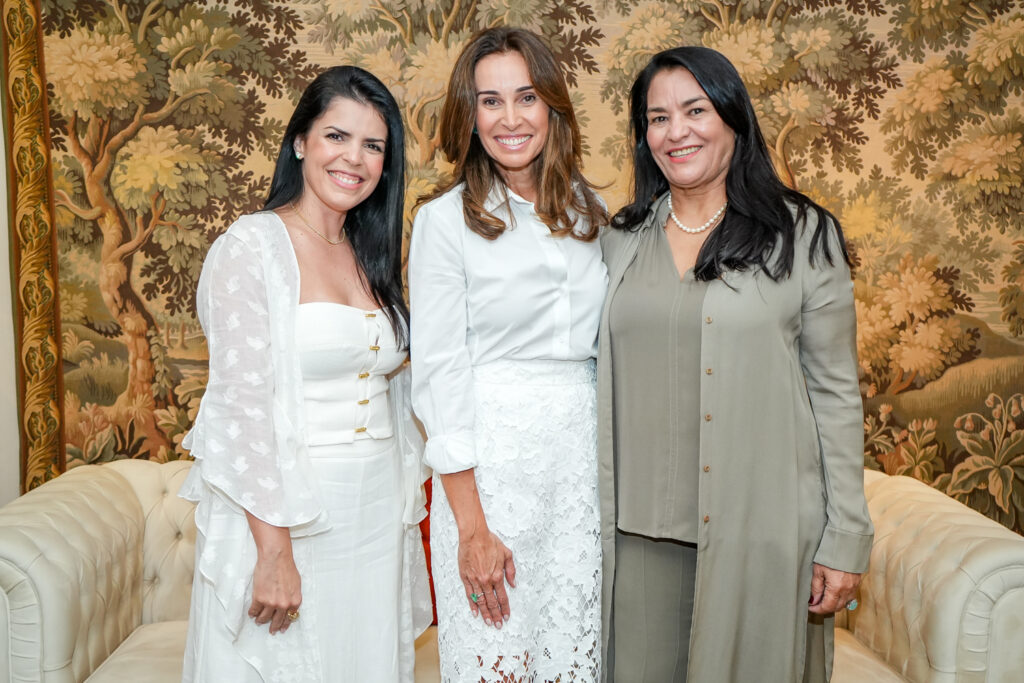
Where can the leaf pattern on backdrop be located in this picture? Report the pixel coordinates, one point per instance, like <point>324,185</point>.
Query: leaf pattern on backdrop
<point>906,119</point>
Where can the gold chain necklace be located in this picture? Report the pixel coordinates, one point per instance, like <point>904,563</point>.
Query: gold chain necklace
<point>319,234</point>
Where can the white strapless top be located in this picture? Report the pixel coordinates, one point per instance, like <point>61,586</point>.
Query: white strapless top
<point>345,354</point>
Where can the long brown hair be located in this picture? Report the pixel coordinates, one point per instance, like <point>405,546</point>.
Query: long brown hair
<point>560,183</point>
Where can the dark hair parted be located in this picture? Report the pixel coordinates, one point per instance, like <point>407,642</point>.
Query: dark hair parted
<point>373,227</point>
<point>560,182</point>
<point>760,219</point>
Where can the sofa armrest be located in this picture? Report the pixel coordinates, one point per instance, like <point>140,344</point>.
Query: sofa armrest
<point>71,575</point>
<point>943,596</point>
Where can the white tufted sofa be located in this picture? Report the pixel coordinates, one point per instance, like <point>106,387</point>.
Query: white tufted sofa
<point>943,600</point>
<point>96,576</point>
<point>96,573</point>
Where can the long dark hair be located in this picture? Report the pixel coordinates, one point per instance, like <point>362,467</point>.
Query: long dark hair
<point>374,227</point>
<point>760,217</point>
<point>560,182</point>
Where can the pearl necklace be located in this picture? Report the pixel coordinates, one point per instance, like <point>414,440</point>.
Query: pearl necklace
<point>327,239</point>
<point>694,231</point>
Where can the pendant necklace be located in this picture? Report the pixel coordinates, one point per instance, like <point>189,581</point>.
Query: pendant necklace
<point>693,231</point>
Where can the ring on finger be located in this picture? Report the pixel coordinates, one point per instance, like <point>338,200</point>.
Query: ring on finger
<point>292,614</point>
<point>475,597</point>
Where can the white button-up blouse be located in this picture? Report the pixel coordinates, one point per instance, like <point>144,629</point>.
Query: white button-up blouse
<point>523,296</point>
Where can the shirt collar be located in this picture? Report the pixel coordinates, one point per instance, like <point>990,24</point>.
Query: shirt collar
<point>497,197</point>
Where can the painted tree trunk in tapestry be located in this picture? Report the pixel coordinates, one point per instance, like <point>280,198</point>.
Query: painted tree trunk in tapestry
<point>904,118</point>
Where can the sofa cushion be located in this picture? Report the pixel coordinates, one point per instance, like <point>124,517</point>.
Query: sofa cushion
<point>855,663</point>
<point>152,653</point>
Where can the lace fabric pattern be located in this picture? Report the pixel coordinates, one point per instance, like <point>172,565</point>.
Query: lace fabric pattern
<point>535,428</point>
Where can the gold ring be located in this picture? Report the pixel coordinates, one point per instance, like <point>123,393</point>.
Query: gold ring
<point>293,614</point>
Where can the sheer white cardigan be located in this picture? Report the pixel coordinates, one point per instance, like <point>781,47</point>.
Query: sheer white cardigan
<point>249,437</point>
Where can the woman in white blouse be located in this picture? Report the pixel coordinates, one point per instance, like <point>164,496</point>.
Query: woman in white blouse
<point>306,472</point>
<point>506,283</point>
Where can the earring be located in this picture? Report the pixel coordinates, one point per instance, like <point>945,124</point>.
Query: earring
<point>298,155</point>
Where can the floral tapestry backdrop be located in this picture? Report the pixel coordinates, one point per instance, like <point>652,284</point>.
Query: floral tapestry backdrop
<point>903,117</point>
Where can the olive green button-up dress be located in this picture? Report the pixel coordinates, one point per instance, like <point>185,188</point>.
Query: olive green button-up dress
<point>783,443</point>
<point>655,325</point>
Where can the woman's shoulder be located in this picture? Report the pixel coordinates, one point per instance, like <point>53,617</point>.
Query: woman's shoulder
<point>255,232</point>
<point>440,220</point>
<point>254,228</point>
<point>807,218</point>
<point>818,240</point>
<point>613,236</point>
<point>612,239</point>
<point>448,201</point>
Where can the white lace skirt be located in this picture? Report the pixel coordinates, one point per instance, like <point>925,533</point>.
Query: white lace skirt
<point>536,441</point>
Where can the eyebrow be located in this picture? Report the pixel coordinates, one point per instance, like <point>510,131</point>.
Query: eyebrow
<point>345,132</point>
<point>685,103</point>
<point>522,88</point>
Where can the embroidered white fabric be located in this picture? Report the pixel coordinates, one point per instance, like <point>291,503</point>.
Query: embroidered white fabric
<point>535,433</point>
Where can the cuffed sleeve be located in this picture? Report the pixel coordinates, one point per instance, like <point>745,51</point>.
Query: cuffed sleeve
<point>828,356</point>
<point>442,376</point>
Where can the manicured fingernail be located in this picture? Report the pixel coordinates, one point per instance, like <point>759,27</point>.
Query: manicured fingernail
<point>487,621</point>
<point>497,625</point>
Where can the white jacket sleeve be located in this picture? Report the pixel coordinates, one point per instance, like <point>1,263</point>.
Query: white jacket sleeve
<point>442,376</point>
<point>234,440</point>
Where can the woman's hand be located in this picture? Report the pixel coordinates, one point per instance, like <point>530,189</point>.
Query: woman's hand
<point>276,584</point>
<point>831,589</point>
<point>485,563</point>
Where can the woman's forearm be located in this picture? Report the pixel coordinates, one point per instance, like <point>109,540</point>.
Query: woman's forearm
<point>464,500</point>
<point>272,542</point>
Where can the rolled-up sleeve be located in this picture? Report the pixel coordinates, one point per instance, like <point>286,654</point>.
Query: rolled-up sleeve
<point>442,377</point>
<point>828,355</point>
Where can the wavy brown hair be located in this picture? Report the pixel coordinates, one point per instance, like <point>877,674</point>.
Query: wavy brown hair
<point>560,183</point>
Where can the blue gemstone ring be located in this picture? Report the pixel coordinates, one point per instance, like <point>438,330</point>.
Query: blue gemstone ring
<point>852,605</point>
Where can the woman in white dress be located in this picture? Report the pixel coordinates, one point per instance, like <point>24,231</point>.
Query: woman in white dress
<point>308,560</point>
<point>506,283</point>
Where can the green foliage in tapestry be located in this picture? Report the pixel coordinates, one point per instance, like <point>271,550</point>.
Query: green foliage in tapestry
<point>160,121</point>
<point>813,69</point>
